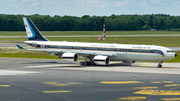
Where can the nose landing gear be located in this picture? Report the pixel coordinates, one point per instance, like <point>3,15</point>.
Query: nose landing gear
<point>160,64</point>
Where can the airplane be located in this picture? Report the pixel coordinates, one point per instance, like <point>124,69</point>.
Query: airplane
<point>95,53</point>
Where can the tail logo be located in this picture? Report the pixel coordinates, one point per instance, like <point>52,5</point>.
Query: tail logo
<point>32,31</point>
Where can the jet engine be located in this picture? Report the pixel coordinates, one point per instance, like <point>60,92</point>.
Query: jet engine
<point>69,57</point>
<point>128,61</point>
<point>101,60</point>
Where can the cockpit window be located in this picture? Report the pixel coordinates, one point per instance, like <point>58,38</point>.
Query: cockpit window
<point>169,51</point>
<point>158,51</point>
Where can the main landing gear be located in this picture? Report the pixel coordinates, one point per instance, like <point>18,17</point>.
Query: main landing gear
<point>160,64</point>
<point>87,63</point>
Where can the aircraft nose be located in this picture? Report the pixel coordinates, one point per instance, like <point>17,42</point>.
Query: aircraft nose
<point>175,55</point>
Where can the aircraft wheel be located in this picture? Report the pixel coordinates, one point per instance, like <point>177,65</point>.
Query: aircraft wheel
<point>89,63</point>
<point>81,63</point>
<point>159,66</point>
<point>85,63</point>
<point>93,63</point>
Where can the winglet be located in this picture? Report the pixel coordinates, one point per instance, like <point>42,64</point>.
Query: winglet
<point>19,47</point>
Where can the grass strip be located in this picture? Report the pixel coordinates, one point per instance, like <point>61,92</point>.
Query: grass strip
<point>59,33</point>
<point>166,41</point>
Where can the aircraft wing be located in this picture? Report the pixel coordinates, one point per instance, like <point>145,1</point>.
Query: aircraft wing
<point>80,52</point>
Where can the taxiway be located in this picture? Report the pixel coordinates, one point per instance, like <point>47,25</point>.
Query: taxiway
<point>56,80</point>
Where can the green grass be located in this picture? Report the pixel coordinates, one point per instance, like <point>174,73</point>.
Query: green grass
<point>12,33</point>
<point>13,52</point>
<point>64,33</point>
<point>167,41</point>
<point>6,40</point>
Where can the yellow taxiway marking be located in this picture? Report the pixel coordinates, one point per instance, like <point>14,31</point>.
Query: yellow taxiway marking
<point>171,99</point>
<point>74,83</point>
<point>167,81</point>
<point>109,90</point>
<point>134,98</point>
<point>4,61</point>
<point>5,85</point>
<point>162,82</point>
<point>22,62</point>
<point>155,82</point>
<point>158,92</point>
<point>62,84</point>
<point>172,85</point>
<point>55,83</point>
<point>145,87</point>
<point>61,91</point>
<point>120,82</point>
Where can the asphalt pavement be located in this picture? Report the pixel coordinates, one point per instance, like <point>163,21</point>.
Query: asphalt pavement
<point>56,80</point>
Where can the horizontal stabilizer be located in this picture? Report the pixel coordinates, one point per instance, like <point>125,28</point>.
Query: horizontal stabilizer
<point>19,47</point>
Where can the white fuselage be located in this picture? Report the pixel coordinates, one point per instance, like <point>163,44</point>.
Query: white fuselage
<point>117,51</point>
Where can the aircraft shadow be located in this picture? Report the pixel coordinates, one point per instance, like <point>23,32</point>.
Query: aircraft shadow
<point>76,65</point>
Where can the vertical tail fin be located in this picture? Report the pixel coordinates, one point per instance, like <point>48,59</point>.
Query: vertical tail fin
<point>32,31</point>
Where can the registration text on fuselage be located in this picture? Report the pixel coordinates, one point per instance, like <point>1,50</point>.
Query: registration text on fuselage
<point>111,46</point>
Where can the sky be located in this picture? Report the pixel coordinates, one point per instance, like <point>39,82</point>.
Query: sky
<point>90,7</point>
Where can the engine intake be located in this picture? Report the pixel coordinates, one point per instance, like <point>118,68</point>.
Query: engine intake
<point>101,60</point>
<point>69,57</point>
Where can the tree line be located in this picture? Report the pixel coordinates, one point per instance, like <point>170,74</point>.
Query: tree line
<point>92,23</point>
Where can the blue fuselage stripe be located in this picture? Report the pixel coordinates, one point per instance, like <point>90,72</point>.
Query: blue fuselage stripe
<point>31,29</point>
<point>100,49</point>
